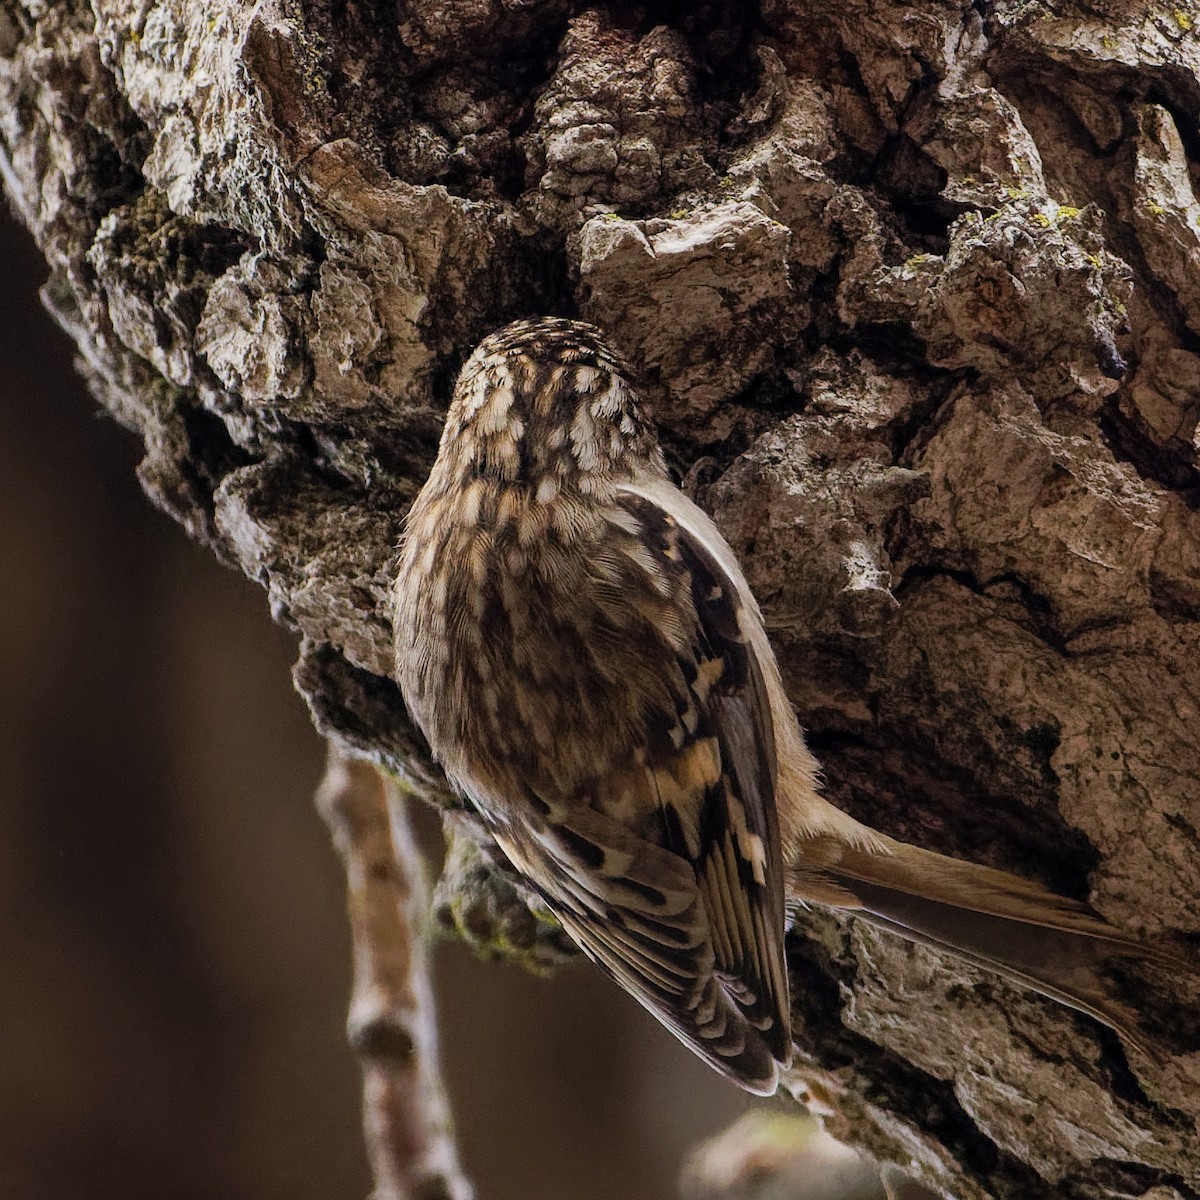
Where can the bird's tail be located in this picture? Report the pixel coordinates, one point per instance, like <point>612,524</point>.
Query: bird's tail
<point>1001,922</point>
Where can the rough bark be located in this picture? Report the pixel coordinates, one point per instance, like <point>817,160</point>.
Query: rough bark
<point>916,294</point>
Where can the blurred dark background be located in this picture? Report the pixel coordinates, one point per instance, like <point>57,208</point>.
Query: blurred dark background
<point>175,957</point>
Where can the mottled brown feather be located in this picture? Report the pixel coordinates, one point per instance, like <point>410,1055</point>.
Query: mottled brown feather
<point>579,665</point>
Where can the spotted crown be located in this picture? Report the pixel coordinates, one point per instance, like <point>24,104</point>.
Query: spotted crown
<point>545,404</point>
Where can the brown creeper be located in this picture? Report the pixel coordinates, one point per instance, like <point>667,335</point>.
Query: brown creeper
<point>584,655</point>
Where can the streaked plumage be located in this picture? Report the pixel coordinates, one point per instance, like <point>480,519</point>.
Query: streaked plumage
<point>582,651</point>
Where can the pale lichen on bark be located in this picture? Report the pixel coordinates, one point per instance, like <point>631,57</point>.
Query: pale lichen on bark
<point>913,290</point>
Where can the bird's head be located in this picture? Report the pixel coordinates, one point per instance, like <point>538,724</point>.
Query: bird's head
<point>545,405</point>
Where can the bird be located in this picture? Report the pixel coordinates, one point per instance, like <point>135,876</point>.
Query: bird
<point>580,648</point>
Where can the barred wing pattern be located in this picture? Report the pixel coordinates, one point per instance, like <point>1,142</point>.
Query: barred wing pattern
<point>685,910</point>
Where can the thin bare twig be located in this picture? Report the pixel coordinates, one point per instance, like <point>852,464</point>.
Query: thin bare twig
<point>406,1116</point>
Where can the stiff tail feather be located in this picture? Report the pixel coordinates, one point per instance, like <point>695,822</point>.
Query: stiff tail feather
<point>1001,922</point>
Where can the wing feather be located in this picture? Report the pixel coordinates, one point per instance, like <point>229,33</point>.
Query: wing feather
<point>668,872</point>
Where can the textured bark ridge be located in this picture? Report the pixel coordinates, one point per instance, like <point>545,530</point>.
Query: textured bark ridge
<point>916,294</point>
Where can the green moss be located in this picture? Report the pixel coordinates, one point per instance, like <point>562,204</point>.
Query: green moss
<point>475,901</point>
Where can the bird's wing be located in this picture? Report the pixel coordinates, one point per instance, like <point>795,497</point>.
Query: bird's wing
<point>668,874</point>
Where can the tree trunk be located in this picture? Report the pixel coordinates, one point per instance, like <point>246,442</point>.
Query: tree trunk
<point>915,291</point>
